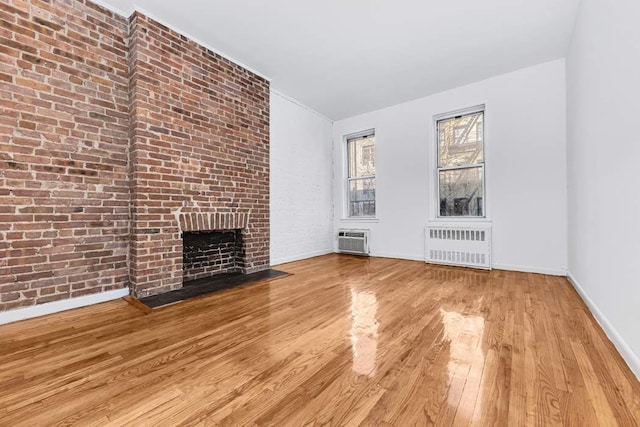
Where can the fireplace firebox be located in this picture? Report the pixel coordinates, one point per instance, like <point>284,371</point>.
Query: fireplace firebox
<point>210,253</point>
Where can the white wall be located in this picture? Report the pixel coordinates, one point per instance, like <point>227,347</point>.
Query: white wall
<point>603,95</point>
<point>525,172</point>
<point>301,182</point>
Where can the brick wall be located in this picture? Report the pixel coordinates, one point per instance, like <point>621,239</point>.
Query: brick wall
<point>103,146</point>
<point>200,143</point>
<point>64,193</point>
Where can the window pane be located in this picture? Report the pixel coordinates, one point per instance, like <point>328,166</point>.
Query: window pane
<point>362,157</point>
<point>460,140</point>
<point>461,192</point>
<point>362,197</point>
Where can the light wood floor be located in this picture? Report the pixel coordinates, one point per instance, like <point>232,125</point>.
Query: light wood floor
<point>343,341</point>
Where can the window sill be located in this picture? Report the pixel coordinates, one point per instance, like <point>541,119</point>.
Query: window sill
<point>359,220</point>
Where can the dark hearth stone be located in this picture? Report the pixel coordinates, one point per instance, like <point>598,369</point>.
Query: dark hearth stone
<point>199,287</point>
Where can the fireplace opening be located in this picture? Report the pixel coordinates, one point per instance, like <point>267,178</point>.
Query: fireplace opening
<point>210,253</point>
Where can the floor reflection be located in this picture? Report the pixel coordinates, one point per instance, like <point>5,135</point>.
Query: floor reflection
<point>364,332</point>
<point>466,362</point>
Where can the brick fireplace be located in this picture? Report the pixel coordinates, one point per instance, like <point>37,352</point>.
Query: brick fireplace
<point>213,243</point>
<point>120,135</point>
<point>199,153</point>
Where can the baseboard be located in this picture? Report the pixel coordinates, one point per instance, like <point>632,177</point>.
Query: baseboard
<point>531,269</point>
<point>299,257</point>
<point>398,256</point>
<point>522,268</point>
<point>621,345</point>
<point>58,306</point>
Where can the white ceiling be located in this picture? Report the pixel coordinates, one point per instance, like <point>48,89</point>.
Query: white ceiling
<point>346,57</point>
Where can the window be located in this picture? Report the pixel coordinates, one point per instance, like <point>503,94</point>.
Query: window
<point>461,164</point>
<point>361,176</point>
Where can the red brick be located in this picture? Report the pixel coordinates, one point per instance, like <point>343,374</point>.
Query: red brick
<point>65,196</point>
<point>37,222</point>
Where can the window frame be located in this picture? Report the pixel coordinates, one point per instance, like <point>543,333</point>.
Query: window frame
<point>347,181</point>
<point>482,166</point>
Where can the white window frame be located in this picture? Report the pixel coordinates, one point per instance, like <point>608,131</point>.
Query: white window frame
<point>485,208</point>
<point>347,180</point>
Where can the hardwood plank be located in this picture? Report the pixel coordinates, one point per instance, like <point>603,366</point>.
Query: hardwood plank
<point>599,401</point>
<point>135,302</point>
<point>343,341</point>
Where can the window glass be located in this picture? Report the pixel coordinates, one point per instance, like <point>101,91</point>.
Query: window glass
<point>362,197</point>
<point>460,140</point>
<point>362,157</point>
<point>461,192</point>
<point>361,181</point>
<point>461,165</point>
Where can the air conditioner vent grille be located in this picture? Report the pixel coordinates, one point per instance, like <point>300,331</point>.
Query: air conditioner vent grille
<point>353,241</point>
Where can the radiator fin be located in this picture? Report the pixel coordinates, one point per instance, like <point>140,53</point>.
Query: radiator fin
<point>462,244</point>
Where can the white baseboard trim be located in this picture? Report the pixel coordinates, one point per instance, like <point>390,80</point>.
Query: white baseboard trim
<point>625,351</point>
<point>284,260</point>
<point>58,306</point>
<point>530,269</point>
<point>398,256</point>
<point>522,268</point>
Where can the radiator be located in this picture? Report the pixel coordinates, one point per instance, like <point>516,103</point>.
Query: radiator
<point>461,244</point>
<point>353,241</point>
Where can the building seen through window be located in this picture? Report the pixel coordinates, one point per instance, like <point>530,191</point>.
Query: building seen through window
<point>361,176</point>
<point>461,165</point>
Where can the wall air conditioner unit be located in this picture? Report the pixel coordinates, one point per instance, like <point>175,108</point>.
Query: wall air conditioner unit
<point>353,241</point>
<point>459,244</point>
